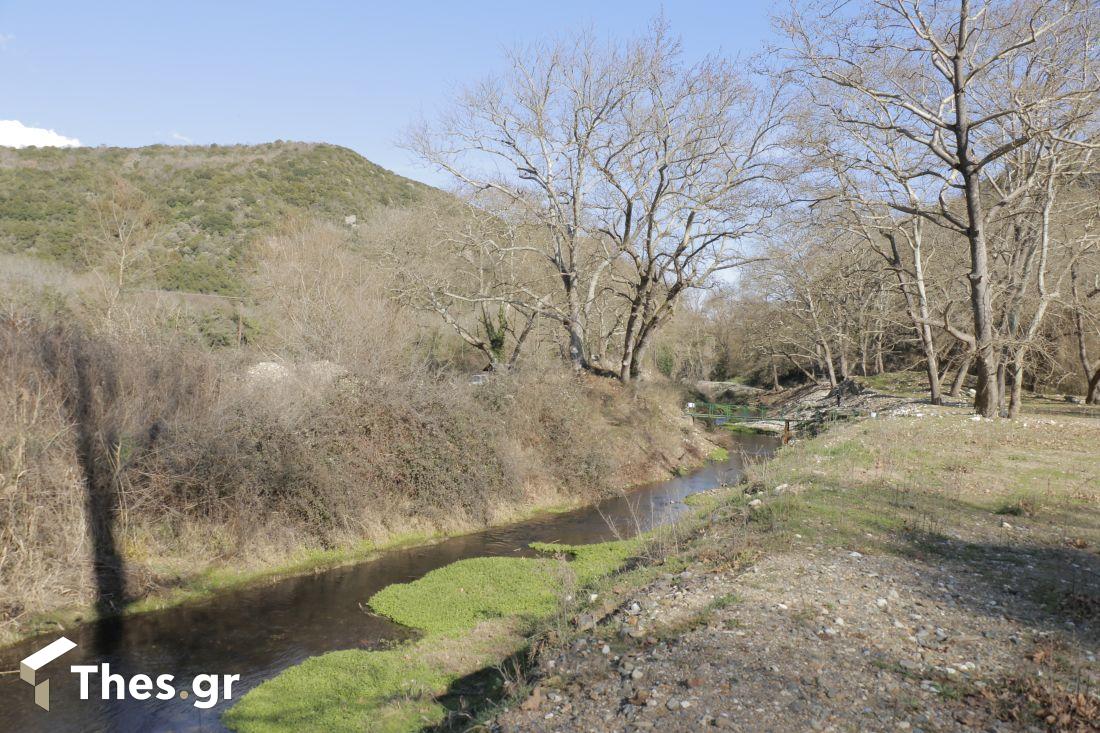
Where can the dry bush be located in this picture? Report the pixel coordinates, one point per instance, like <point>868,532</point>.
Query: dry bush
<point>134,455</point>
<point>322,299</point>
<point>43,558</point>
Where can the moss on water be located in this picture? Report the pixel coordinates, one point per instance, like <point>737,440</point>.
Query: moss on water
<point>472,612</point>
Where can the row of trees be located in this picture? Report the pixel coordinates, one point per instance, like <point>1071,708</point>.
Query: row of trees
<point>908,164</point>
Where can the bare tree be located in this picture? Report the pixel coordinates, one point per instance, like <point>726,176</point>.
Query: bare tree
<point>961,81</point>
<point>474,270</point>
<point>1084,323</point>
<point>631,170</point>
<point>122,232</point>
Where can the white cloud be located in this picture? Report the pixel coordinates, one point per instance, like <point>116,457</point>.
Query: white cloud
<point>14,134</point>
<point>6,38</point>
<point>181,138</point>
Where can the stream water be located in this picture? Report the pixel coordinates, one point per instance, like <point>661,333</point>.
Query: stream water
<point>259,631</point>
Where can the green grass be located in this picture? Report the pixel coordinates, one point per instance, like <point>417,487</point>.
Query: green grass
<point>382,691</point>
<point>472,613</point>
<point>719,454</point>
<point>457,597</point>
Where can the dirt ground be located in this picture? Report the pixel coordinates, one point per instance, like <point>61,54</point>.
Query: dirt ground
<point>924,572</point>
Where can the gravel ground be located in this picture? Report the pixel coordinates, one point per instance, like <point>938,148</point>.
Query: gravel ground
<point>827,639</point>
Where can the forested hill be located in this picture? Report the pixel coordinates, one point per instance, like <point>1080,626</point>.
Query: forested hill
<point>204,205</point>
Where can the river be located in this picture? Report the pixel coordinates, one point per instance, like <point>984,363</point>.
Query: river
<point>257,632</point>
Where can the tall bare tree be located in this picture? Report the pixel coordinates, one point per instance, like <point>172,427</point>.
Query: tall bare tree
<point>642,174</point>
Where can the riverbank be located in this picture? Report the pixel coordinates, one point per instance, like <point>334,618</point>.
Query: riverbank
<point>927,571</point>
<point>696,449</point>
<point>243,487</point>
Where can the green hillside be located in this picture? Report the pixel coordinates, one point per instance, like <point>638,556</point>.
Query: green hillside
<point>208,203</point>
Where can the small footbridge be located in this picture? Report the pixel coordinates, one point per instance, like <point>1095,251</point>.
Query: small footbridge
<point>765,419</point>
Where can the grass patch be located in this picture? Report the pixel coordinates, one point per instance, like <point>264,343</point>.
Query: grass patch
<point>348,690</point>
<point>457,597</point>
<point>472,612</point>
<point>719,454</point>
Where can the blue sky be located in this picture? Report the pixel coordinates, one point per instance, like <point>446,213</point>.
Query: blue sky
<point>352,73</point>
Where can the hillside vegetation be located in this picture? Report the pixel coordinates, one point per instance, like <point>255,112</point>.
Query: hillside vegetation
<point>207,205</point>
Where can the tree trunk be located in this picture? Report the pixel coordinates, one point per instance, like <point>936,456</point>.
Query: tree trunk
<point>775,376</point>
<point>1002,375</point>
<point>960,375</point>
<point>1017,386</point>
<point>827,361</point>
<point>918,311</point>
<point>988,397</point>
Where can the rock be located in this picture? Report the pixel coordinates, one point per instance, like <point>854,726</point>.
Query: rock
<point>672,704</point>
<point>267,372</point>
<point>637,674</point>
<point>755,503</point>
<point>693,682</point>
<point>605,649</point>
<point>351,220</point>
<point>881,602</point>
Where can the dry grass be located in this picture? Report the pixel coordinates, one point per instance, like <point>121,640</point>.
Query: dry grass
<point>193,465</point>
